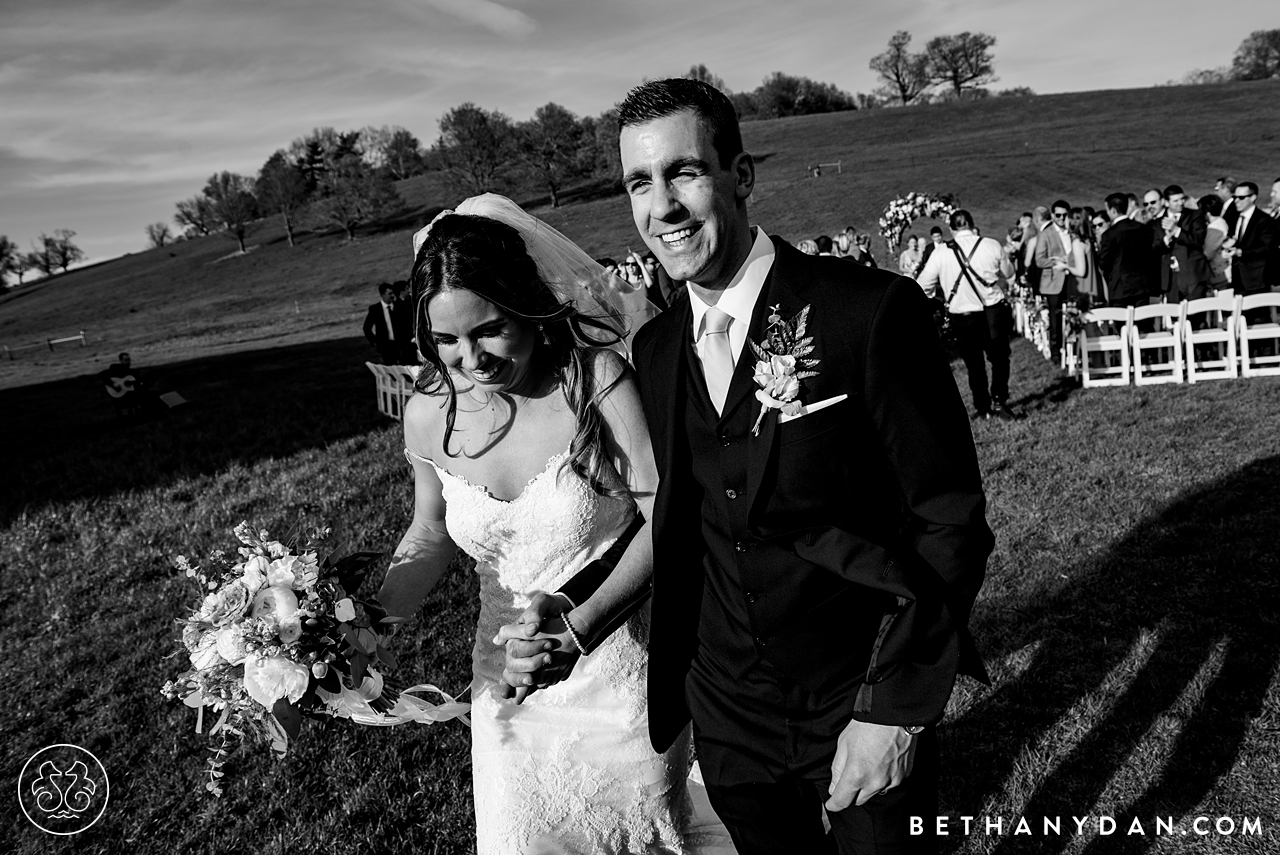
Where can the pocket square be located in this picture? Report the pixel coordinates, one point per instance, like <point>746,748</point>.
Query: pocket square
<point>811,408</point>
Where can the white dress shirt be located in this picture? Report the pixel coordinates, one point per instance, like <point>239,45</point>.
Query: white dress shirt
<point>738,301</point>
<point>988,263</point>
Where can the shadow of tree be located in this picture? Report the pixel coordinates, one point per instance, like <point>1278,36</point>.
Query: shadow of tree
<point>1164,648</point>
<point>66,441</point>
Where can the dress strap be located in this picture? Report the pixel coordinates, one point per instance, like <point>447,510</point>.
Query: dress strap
<point>413,455</point>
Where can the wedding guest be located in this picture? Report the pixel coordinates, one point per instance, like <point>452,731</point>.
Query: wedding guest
<point>610,266</point>
<point>910,258</point>
<point>935,240</point>
<point>1053,245</point>
<point>1223,189</point>
<point>1273,209</point>
<point>1253,247</point>
<point>1138,211</point>
<point>808,247</point>
<point>1216,231</point>
<point>1183,238</point>
<point>862,244</point>
<point>388,327</point>
<point>1125,255</point>
<point>968,269</point>
<point>824,244</point>
<point>630,270</point>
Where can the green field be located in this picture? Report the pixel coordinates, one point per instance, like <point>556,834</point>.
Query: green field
<point>1129,617</point>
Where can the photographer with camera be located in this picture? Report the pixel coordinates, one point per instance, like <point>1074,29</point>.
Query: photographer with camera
<point>979,320</point>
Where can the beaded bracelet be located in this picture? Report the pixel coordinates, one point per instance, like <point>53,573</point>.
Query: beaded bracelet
<point>582,648</point>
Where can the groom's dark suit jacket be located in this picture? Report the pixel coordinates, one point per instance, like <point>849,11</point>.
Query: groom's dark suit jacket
<point>847,546</point>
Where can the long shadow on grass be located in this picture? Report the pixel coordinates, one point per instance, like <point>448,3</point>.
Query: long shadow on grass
<point>63,440</point>
<point>1201,583</point>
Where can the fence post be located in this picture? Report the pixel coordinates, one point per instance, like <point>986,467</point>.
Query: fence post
<point>82,338</point>
<point>49,342</point>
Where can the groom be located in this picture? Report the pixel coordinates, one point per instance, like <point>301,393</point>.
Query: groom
<point>813,578</point>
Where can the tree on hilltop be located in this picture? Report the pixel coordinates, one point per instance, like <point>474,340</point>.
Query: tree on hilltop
<point>701,72</point>
<point>904,75</point>
<point>41,255</point>
<point>782,95</point>
<point>1258,57</point>
<point>195,216</point>
<point>476,148</point>
<point>61,250</point>
<point>551,148</point>
<point>392,150</point>
<point>963,62</point>
<point>282,189</point>
<point>353,194</point>
<point>158,235</point>
<point>8,258</point>
<point>233,204</point>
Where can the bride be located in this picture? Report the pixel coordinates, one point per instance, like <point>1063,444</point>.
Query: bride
<point>530,452</point>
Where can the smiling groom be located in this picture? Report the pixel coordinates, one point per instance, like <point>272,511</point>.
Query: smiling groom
<point>818,534</point>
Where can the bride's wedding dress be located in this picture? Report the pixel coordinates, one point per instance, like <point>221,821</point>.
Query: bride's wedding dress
<point>570,770</point>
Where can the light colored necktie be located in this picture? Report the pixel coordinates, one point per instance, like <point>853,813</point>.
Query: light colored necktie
<point>717,356</point>
<point>386,313</point>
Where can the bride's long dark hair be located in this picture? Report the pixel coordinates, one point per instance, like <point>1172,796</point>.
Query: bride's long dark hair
<point>489,258</point>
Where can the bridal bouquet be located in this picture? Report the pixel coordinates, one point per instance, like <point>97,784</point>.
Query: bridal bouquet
<point>279,635</point>
<point>900,213</point>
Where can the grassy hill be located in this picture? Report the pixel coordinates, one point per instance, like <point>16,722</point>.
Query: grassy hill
<point>1000,156</point>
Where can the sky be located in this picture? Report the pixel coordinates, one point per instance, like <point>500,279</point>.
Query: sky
<point>113,110</point>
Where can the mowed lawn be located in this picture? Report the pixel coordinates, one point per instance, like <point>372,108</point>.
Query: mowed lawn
<point>1129,616</point>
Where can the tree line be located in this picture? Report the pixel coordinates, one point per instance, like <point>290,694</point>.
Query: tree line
<point>1257,58</point>
<point>48,254</point>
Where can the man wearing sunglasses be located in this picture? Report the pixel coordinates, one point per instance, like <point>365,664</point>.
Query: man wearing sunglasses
<point>1254,246</point>
<point>1054,245</point>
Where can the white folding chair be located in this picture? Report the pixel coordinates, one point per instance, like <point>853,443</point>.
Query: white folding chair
<point>1216,342</point>
<point>1094,340</point>
<point>1164,344</point>
<point>1069,356</point>
<point>386,388</point>
<point>1253,364</point>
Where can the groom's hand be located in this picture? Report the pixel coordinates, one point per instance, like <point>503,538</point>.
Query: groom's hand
<point>539,650</point>
<point>870,759</point>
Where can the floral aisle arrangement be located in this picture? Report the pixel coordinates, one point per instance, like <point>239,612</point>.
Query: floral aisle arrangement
<point>903,211</point>
<point>279,635</point>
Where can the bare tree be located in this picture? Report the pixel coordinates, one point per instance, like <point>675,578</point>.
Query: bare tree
<point>8,258</point>
<point>41,256</point>
<point>195,216</point>
<point>233,204</point>
<point>963,62</point>
<point>904,75</point>
<point>1258,57</point>
<point>158,235</point>
<point>701,72</point>
<point>550,145</point>
<point>61,250</point>
<point>355,195</point>
<point>476,148</point>
<point>282,189</point>
<point>21,265</point>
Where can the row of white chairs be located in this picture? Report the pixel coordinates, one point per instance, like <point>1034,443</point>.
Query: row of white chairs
<point>1206,339</point>
<point>394,387</point>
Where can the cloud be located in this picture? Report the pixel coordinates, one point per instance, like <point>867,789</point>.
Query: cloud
<point>511,23</point>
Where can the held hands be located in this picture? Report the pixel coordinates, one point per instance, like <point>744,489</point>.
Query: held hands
<point>539,650</point>
<point>870,759</point>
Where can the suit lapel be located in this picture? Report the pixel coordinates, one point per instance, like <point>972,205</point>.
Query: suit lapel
<point>669,369</point>
<point>777,292</point>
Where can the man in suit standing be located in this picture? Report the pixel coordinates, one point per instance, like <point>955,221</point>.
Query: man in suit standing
<point>388,326</point>
<point>1125,255</point>
<point>1253,246</point>
<point>1052,245</point>
<point>1182,233</point>
<point>815,557</point>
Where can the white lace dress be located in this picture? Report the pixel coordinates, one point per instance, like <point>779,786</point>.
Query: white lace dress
<point>570,770</point>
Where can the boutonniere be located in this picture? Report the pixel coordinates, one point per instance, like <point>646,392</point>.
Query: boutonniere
<point>782,361</point>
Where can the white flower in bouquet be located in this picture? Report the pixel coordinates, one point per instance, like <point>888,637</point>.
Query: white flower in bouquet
<point>344,610</point>
<point>255,573</point>
<point>205,655</point>
<point>231,644</point>
<point>290,628</point>
<point>276,601</point>
<point>226,605</point>
<point>280,572</point>
<point>268,679</point>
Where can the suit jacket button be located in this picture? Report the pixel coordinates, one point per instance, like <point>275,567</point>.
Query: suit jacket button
<point>724,440</point>
<point>732,494</point>
<point>759,641</point>
<point>751,596</point>
<point>740,546</point>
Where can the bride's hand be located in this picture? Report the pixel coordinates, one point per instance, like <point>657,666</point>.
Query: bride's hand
<point>540,652</point>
